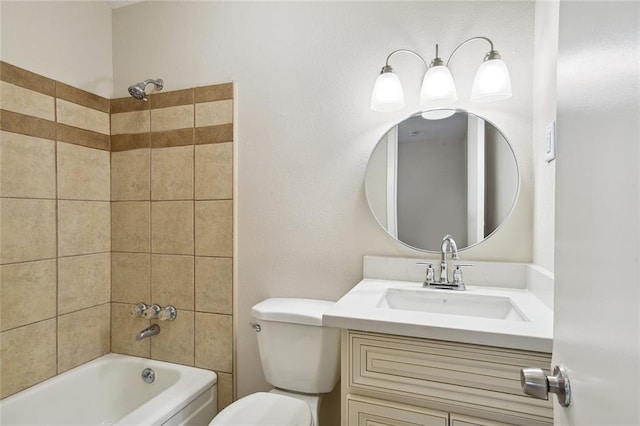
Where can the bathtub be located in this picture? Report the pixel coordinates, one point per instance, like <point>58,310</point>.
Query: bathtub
<point>110,391</point>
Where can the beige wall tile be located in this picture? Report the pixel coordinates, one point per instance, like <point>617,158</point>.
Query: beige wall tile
<point>83,173</point>
<point>83,281</point>
<point>214,92</point>
<point>172,227</point>
<point>27,166</point>
<point>175,341</point>
<point>214,228</point>
<point>214,113</point>
<point>27,125</point>
<point>225,390</point>
<point>28,229</point>
<point>82,117</point>
<point>83,227</point>
<point>130,223</point>
<point>123,330</point>
<point>27,356</point>
<point>131,277</point>
<point>214,285</point>
<point>130,175</point>
<point>172,281</point>
<point>82,137</point>
<point>82,97</point>
<point>177,117</point>
<point>130,122</point>
<point>172,173</point>
<point>214,342</point>
<point>25,101</point>
<point>21,77</point>
<point>214,171</point>
<point>83,336</point>
<point>27,293</point>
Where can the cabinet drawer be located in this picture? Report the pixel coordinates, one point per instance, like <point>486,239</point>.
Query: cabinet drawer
<point>362,411</point>
<point>453,374</point>
<point>458,420</point>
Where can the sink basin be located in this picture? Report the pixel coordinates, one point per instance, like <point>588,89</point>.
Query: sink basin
<point>448,303</point>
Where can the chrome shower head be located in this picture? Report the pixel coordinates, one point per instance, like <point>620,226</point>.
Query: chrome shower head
<point>137,90</point>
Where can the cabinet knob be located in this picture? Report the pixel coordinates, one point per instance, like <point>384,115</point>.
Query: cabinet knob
<point>538,385</point>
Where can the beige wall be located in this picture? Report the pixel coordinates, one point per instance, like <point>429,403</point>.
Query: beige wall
<point>172,226</point>
<point>544,112</point>
<point>68,41</point>
<point>55,280</point>
<point>304,71</point>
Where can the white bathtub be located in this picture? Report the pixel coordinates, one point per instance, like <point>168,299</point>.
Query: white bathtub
<point>110,391</point>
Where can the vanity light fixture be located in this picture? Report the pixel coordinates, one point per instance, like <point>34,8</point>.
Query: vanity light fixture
<point>491,83</point>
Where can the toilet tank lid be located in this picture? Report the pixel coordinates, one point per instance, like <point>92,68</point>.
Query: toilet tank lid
<point>297,311</point>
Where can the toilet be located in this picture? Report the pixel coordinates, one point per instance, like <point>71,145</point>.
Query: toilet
<point>300,358</point>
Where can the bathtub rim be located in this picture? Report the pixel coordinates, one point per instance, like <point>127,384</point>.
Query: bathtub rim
<point>193,380</point>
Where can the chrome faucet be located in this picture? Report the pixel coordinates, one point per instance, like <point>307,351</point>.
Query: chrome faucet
<point>148,332</point>
<point>448,245</point>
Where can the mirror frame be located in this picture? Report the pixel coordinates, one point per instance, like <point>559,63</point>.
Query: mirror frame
<point>455,110</point>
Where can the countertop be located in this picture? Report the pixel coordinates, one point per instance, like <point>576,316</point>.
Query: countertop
<point>358,310</point>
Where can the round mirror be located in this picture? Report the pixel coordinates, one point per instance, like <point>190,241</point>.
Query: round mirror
<point>442,172</point>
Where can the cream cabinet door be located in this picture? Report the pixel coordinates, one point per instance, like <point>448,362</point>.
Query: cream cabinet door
<point>362,411</point>
<point>459,420</point>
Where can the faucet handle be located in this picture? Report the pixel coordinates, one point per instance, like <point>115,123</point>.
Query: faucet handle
<point>168,314</point>
<point>138,310</point>
<point>457,273</point>
<point>151,312</point>
<point>430,275</point>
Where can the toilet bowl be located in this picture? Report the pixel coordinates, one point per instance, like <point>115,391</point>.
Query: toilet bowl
<point>299,356</point>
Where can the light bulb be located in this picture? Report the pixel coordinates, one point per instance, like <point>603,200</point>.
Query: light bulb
<point>492,82</point>
<point>387,93</point>
<point>438,87</point>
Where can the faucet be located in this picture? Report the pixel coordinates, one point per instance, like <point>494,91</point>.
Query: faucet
<point>448,245</point>
<point>148,332</point>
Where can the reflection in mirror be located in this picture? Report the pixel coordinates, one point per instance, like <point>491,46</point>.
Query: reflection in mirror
<point>442,172</point>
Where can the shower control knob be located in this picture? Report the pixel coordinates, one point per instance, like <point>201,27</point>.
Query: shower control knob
<point>168,314</point>
<point>151,312</point>
<point>538,385</point>
<point>138,310</point>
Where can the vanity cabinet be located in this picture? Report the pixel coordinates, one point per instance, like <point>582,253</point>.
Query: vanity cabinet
<point>396,380</point>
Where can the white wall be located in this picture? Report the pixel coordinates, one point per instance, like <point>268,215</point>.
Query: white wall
<point>304,72</point>
<point>597,296</point>
<point>545,56</point>
<point>66,41</point>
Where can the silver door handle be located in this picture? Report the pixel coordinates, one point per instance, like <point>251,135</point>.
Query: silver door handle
<point>536,384</point>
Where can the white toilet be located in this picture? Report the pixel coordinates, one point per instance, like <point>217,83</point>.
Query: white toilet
<point>299,357</point>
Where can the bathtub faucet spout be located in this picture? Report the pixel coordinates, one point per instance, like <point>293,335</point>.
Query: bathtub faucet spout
<point>148,332</point>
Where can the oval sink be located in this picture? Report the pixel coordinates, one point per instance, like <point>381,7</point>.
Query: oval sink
<point>448,303</point>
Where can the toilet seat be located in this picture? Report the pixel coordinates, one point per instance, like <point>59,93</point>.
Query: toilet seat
<point>265,409</point>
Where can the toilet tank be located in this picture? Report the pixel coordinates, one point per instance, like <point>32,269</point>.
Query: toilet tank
<point>297,352</point>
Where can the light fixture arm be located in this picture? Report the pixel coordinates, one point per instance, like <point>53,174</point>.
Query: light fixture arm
<point>405,51</point>
<point>493,54</point>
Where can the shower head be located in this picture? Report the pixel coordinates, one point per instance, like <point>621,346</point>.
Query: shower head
<point>137,90</point>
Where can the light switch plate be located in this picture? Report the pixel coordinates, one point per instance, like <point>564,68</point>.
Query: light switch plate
<point>550,142</point>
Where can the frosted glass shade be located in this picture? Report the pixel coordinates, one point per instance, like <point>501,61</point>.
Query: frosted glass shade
<point>438,87</point>
<point>492,82</point>
<point>387,93</point>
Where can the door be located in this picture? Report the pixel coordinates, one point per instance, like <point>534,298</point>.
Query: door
<point>597,297</point>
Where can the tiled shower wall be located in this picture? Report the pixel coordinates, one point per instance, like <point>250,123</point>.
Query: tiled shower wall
<point>153,224</point>
<point>55,228</point>
<point>172,226</point>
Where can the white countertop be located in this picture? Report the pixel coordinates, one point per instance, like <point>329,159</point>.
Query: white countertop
<point>358,310</point>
